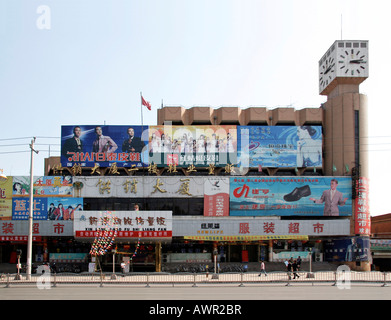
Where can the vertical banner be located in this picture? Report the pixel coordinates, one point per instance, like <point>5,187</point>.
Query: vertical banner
<point>216,197</point>
<point>362,224</point>
<point>6,199</point>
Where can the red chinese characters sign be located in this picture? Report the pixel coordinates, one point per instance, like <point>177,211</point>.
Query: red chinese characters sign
<point>129,224</point>
<point>362,224</point>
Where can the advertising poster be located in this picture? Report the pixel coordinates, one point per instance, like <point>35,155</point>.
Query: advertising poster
<point>216,198</point>
<point>43,186</point>
<point>290,196</point>
<point>6,199</point>
<point>362,215</point>
<point>192,145</point>
<point>87,145</point>
<point>347,249</point>
<point>21,208</point>
<point>63,208</point>
<point>280,146</point>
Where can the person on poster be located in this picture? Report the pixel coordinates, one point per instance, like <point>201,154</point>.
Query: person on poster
<point>51,210</point>
<point>331,198</point>
<point>59,212</point>
<point>74,144</point>
<point>68,213</point>
<point>103,144</point>
<point>309,150</point>
<point>132,144</point>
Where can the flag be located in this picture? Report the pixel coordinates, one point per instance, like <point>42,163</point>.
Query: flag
<point>145,103</point>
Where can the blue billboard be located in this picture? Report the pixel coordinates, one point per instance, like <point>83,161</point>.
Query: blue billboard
<point>88,145</point>
<point>347,249</point>
<point>290,196</point>
<point>280,146</point>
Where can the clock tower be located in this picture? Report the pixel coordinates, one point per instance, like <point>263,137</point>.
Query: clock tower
<point>342,69</point>
<point>345,62</point>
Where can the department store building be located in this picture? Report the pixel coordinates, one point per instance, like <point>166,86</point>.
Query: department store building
<point>231,184</point>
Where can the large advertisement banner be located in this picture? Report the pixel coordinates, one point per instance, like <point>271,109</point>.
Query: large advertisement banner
<point>193,145</point>
<point>280,146</point>
<point>44,208</point>
<point>287,196</point>
<point>43,186</point>
<point>347,249</point>
<point>88,145</point>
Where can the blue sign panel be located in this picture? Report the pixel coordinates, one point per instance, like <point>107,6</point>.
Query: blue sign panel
<point>21,208</point>
<point>280,146</point>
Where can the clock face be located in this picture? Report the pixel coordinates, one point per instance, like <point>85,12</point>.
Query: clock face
<point>352,62</point>
<point>326,72</point>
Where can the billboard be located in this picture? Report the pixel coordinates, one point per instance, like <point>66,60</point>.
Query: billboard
<point>193,145</point>
<point>46,208</point>
<point>280,146</point>
<point>287,196</point>
<point>129,224</point>
<point>43,186</point>
<point>347,249</point>
<point>88,145</point>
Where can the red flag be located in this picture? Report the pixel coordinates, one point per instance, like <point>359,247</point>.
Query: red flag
<point>145,103</point>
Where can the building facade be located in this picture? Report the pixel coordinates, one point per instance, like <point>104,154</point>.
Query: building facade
<point>211,184</point>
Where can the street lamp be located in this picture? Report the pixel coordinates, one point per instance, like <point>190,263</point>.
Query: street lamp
<point>30,233</point>
<point>310,274</point>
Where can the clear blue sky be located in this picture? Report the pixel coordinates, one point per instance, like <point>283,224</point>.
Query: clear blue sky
<point>91,65</point>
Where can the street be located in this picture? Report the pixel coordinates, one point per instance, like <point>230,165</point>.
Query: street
<point>201,292</point>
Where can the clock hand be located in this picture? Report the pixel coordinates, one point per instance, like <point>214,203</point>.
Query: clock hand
<point>357,61</point>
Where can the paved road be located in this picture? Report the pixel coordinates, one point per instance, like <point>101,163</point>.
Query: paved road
<point>156,292</point>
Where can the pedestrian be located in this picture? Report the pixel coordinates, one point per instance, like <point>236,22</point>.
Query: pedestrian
<point>295,269</point>
<point>263,269</point>
<point>289,269</point>
<point>298,263</point>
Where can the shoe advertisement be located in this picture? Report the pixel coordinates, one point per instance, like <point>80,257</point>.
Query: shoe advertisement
<point>290,196</point>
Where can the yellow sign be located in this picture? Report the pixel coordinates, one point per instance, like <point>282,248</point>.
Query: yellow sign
<point>246,238</point>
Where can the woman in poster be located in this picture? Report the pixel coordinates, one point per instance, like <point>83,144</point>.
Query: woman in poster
<point>309,150</point>
<point>59,212</point>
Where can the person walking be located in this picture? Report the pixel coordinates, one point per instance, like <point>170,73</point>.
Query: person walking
<point>295,269</point>
<point>263,269</point>
<point>298,263</point>
<point>289,269</point>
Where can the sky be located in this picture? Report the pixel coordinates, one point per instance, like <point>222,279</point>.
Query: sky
<point>86,62</point>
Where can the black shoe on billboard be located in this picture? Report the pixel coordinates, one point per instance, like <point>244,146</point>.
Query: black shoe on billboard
<point>298,193</point>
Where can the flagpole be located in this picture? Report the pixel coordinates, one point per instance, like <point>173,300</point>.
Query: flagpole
<point>141,104</point>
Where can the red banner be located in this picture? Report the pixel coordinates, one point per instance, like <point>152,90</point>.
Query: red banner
<point>362,216</point>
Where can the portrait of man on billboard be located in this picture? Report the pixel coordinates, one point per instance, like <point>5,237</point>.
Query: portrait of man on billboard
<point>332,198</point>
<point>73,144</point>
